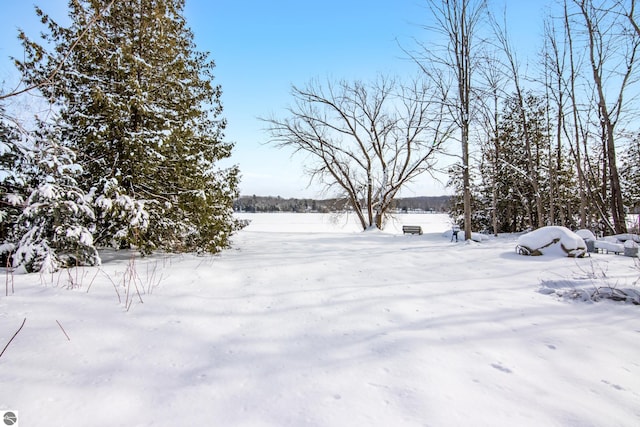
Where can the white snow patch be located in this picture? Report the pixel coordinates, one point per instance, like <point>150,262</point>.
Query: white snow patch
<point>586,234</point>
<point>14,199</point>
<point>308,322</point>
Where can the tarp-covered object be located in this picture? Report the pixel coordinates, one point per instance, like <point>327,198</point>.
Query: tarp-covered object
<point>552,240</point>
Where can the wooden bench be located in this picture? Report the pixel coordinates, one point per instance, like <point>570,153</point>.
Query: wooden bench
<point>411,229</point>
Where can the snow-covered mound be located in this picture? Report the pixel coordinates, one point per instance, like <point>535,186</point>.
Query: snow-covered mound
<point>552,240</point>
<point>627,236</point>
<point>586,234</point>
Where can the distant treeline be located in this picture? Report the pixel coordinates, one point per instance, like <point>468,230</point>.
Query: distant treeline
<point>279,204</point>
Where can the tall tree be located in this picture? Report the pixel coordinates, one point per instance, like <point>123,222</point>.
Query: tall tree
<point>493,82</point>
<point>458,22</point>
<point>554,65</point>
<point>366,141</point>
<point>513,67</point>
<point>15,177</point>
<point>573,124</point>
<point>613,59</point>
<point>139,106</point>
<point>630,174</point>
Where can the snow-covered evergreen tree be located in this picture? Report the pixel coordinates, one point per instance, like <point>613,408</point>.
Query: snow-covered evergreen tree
<point>480,207</point>
<point>143,115</point>
<point>55,228</point>
<point>14,179</point>
<point>630,174</point>
<point>122,218</point>
<point>511,173</point>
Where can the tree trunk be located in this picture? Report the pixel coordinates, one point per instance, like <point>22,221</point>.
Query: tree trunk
<point>608,116</point>
<point>576,131</point>
<point>617,205</point>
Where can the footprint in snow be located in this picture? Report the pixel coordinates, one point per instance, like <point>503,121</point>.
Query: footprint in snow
<point>616,386</point>
<point>499,367</point>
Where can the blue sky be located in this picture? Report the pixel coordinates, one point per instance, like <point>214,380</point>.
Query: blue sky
<point>263,47</point>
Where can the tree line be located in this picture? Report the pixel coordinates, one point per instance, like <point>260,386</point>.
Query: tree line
<point>440,204</point>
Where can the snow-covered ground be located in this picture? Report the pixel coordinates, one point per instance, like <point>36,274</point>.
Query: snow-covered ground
<point>308,322</point>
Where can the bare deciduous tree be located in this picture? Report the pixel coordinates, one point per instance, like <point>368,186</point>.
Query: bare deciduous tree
<point>513,67</point>
<point>367,141</point>
<point>493,92</point>
<point>613,59</point>
<point>574,129</point>
<point>457,22</point>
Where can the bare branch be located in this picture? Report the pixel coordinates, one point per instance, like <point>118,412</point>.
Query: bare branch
<point>13,337</point>
<point>51,77</point>
<point>367,140</point>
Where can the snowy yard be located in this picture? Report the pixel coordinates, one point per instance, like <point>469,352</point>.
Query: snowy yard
<point>308,322</point>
